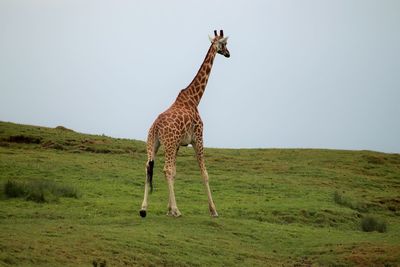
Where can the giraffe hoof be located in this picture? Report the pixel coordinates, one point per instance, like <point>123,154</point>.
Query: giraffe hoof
<point>142,213</point>
<point>174,213</point>
<point>214,214</point>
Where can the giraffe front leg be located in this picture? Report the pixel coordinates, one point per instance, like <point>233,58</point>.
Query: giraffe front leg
<point>211,205</point>
<point>198,147</point>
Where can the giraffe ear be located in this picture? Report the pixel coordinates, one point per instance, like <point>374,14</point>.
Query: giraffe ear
<point>223,40</point>
<point>211,39</point>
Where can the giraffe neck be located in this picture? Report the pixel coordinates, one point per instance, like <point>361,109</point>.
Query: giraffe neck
<point>193,93</point>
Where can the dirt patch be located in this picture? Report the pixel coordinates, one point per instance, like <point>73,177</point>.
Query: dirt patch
<point>375,160</point>
<point>95,141</point>
<point>392,204</point>
<point>97,150</point>
<point>51,144</point>
<point>368,254</point>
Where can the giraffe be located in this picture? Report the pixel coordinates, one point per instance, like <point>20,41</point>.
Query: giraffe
<point>181,125</point>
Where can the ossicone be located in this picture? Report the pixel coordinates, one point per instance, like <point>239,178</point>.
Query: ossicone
<point>221,33</point>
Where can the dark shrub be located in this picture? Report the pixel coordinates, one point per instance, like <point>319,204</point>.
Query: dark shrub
<point>14,189</point>
<point>370,224</point>
<point>24,139</point>
<point>40,191</point>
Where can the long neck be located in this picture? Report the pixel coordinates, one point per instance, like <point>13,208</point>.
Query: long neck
<point>193,93</point>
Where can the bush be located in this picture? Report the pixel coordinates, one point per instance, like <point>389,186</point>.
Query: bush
<point>40,191</point>
<point>370,224</point>
<point>14,189</point>
<point>24,139</point>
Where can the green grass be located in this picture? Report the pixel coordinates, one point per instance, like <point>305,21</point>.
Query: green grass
<point>290,207</point>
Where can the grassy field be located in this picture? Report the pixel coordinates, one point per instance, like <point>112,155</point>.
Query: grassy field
<point>277,207</point>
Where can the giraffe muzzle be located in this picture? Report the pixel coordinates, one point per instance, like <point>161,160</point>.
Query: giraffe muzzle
<point>226,53</point>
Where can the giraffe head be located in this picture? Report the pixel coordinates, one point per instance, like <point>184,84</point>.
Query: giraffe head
<point>220,42</point>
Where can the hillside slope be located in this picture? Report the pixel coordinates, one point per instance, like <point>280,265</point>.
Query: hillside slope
<point>290,207</point>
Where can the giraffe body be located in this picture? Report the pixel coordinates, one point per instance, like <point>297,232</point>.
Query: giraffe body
<point>181,125</point>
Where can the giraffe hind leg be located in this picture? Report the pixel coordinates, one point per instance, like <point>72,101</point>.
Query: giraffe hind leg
<point>170,172</point>
<point>152,147</point>
<point>148,185</point>
<point>149,182</point>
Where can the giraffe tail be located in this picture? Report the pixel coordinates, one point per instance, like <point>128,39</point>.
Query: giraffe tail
<point>150,166</point>
<point>153,144</point>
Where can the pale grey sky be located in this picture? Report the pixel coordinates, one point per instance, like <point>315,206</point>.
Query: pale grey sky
<point>302,74</point>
